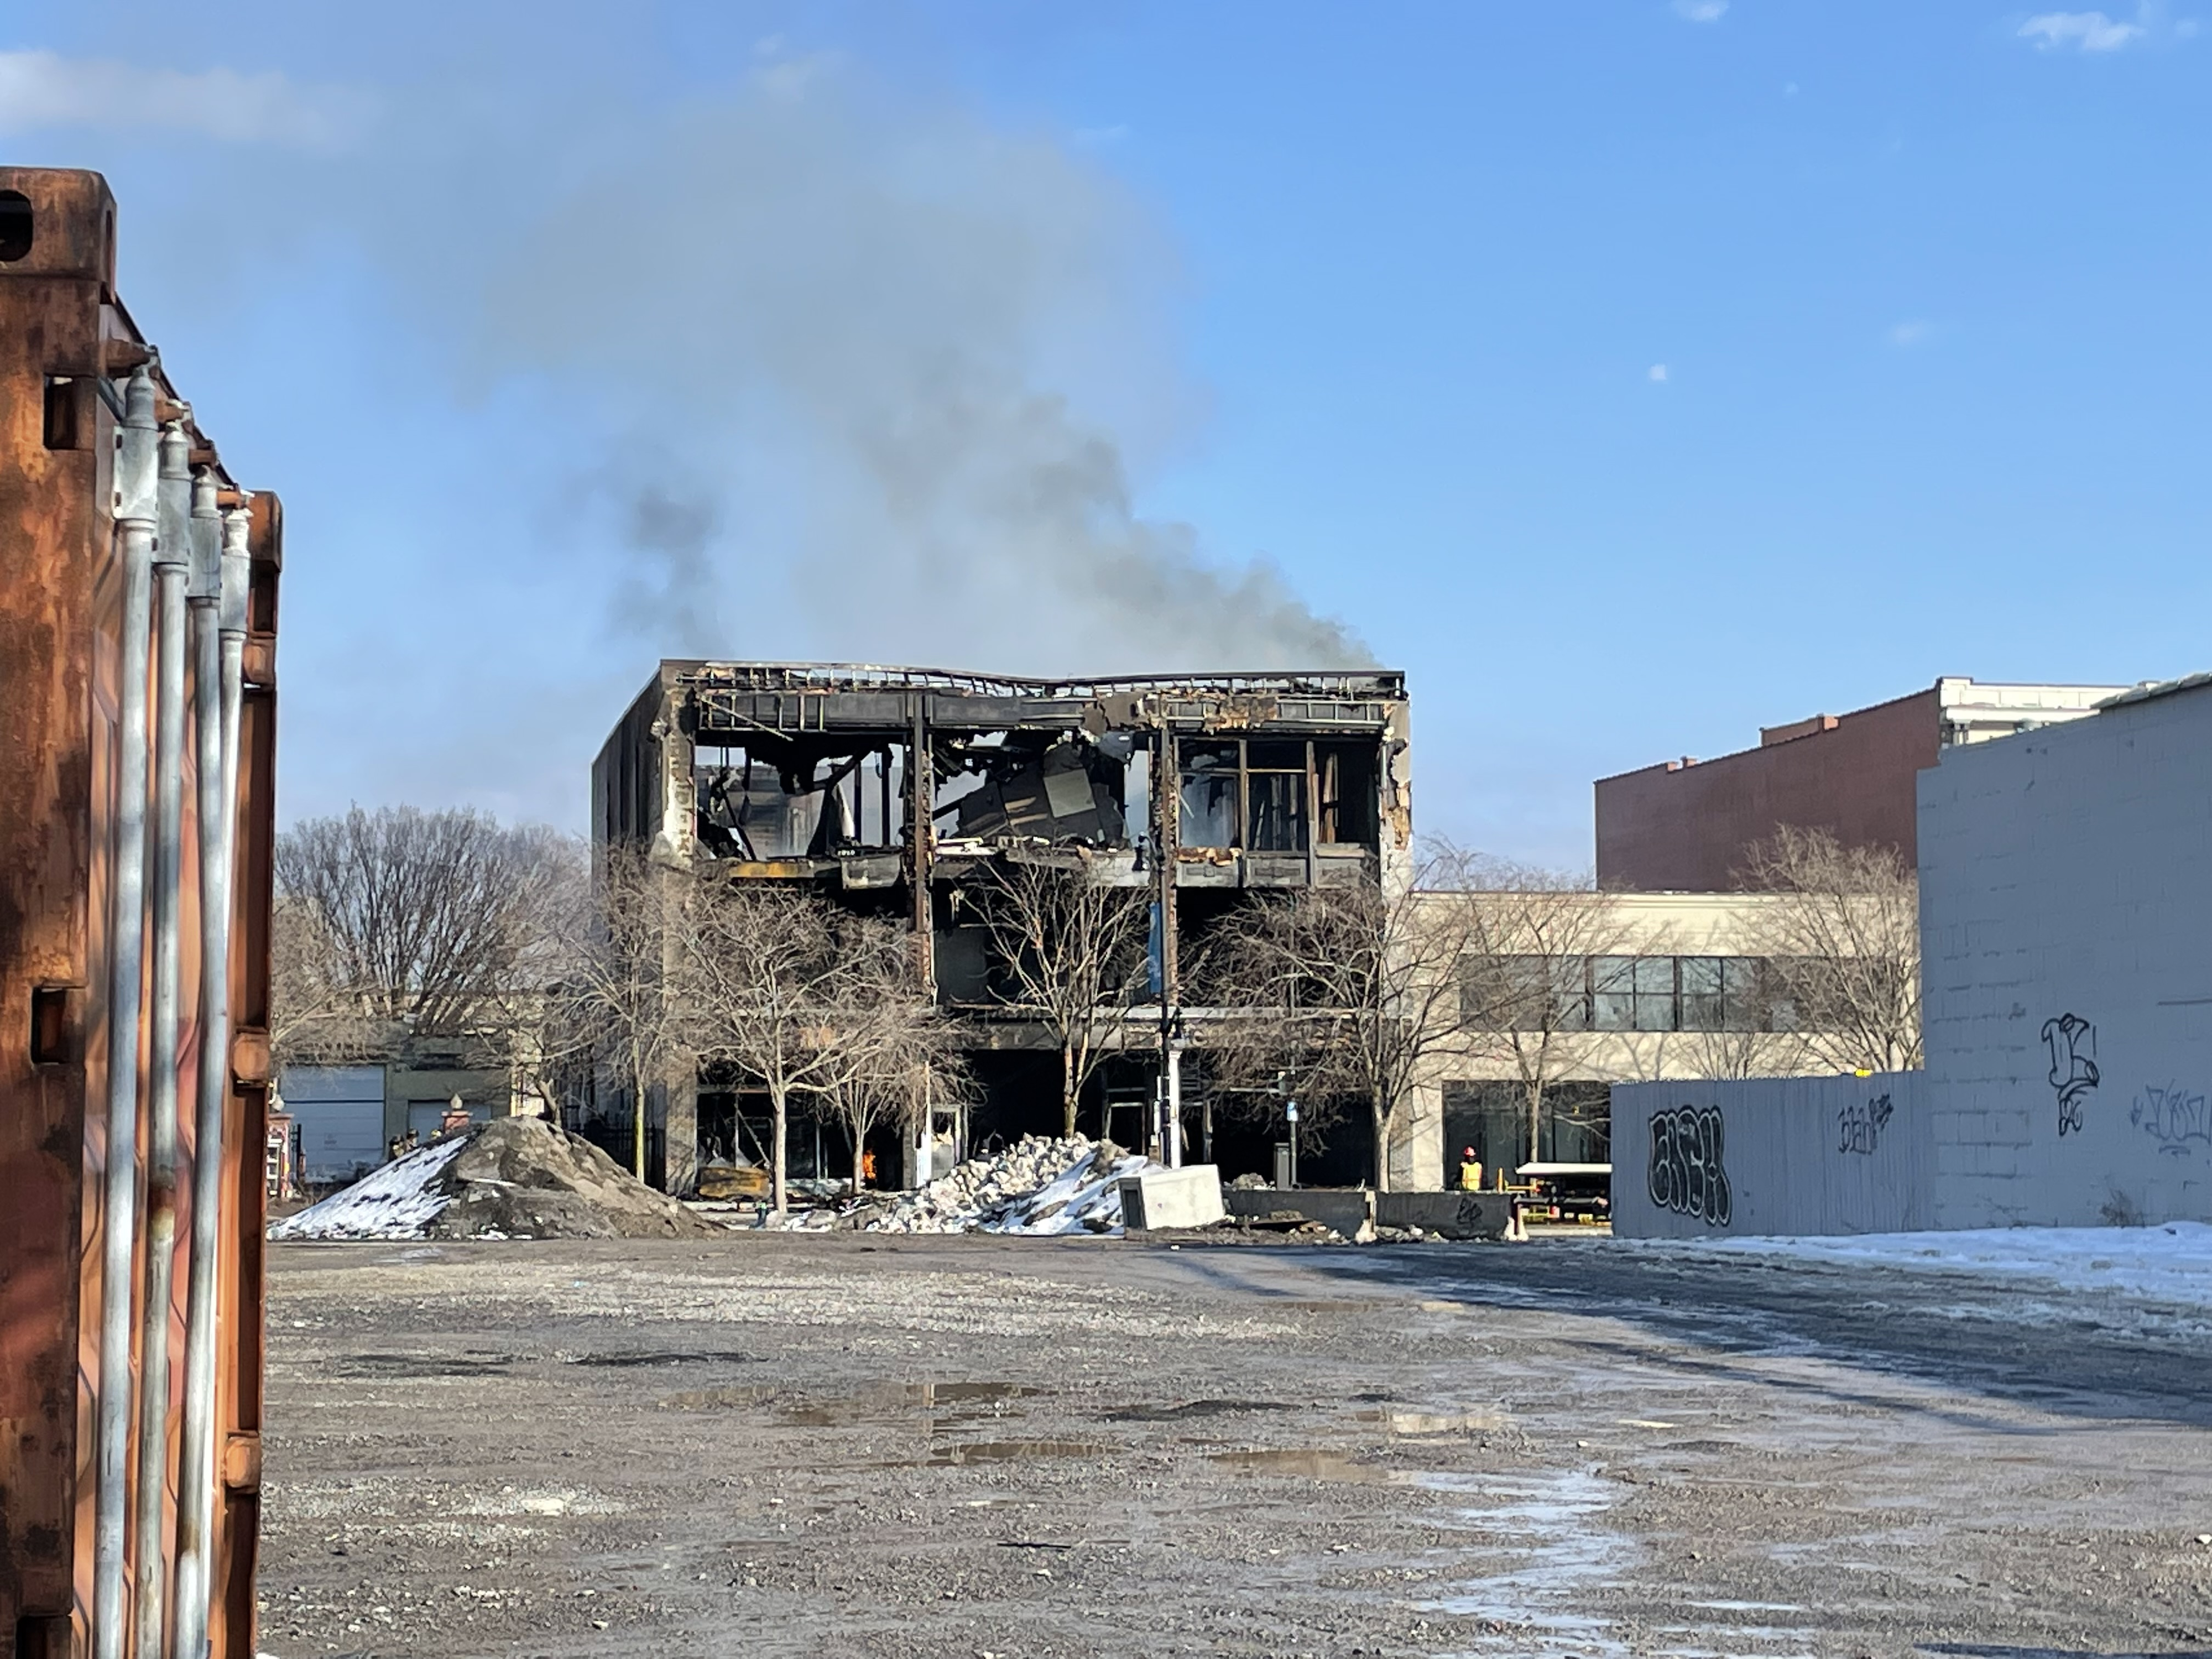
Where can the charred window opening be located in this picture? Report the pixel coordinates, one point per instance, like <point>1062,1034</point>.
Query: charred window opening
<point>1039,786</point>
<point>1212,773</point>
<point>1345,784</point>
<point>776,799</point>
<point>1277,794</point>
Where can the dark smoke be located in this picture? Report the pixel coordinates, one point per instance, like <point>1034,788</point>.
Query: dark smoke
<point>871,326</point>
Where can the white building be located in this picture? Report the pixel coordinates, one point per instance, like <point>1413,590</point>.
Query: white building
<point>1664,985</point>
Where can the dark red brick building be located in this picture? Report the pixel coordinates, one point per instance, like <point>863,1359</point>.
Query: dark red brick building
<point>1687,825</point>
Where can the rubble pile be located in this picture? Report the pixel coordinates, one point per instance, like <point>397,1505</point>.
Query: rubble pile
<point>1036,1186</point>
<point>513,1177</point>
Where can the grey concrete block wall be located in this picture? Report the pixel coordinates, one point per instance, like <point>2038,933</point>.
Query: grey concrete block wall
<point>1772,1154</point>
<point>1347,1209</point>
<point>1449,1215</point>
<point>1189,1197</point>
<point>2066,925</point>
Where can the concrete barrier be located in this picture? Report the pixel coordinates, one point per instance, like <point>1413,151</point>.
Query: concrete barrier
<point>1449,1215</point>
<point>1347,1209</point>
<point>1189,1197</point>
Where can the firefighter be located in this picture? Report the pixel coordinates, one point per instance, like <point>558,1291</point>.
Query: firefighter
<point>1470,1171</point>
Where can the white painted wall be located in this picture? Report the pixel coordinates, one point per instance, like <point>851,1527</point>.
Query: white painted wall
<point>2069,873</point>
<point>1797,1155</point>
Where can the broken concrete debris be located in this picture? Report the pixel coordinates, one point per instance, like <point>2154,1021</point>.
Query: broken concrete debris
<point>513,1177</point>
<point>1036,1186</point>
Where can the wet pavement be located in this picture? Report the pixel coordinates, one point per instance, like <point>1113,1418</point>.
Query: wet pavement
<point>796,1444</point>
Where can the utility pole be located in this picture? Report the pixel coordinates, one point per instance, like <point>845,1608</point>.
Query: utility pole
<point>1167,783</point>
<point>921,802</point>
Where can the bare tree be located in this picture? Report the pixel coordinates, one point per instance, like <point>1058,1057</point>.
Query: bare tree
<point>619,988</point>
<point>1842,940</point>
<point>1737,1053</point>
<point>315,1015</point>
<point>784,987</point>
<point>903,1060</point>
<point>1346,992</point>
<point>1072,950</point>
<point>421,920</point>
<point>1526,937</point>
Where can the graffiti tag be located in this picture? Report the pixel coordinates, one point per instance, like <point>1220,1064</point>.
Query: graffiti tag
<point>2173,1117</point>
<point>2073,1044</point>
<point>1687,1174</point>
<point>1859,1124</point>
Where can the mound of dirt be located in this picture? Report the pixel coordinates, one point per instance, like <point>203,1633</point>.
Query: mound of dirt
<point>513,1177</point>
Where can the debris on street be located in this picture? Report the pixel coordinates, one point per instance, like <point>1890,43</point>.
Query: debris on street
<point>1036,1186</point>
<point>515,1177</point>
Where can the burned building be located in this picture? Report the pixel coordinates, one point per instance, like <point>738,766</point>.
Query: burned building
<point>894,790</point>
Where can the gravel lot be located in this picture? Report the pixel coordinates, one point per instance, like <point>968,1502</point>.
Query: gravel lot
<point>775,1444</point>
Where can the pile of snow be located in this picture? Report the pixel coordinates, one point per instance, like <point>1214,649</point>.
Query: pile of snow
<point>397,1201</point>
<point>1037,1187</point>
<point>2169,1263</point>
<point>513,1177</point>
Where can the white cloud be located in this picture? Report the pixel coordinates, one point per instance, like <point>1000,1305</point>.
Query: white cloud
<point>2085,31</point>
<point>1657,372</point>
<point>41,89</point>
<point>1908,334</point>
<point>1701,11</point>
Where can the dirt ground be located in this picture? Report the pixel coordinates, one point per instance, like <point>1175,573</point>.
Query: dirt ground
<point>782,1444</point>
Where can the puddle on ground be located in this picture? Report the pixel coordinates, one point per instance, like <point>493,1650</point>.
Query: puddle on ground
<point>1414,1426</point>
<point>886,1400</point>
<point>1747,1607</point>
<point>623,1361</point>
<point>1014,1451</point>
<point>1312,1466</point>
<point>716,1399</point>
<point>422,1366</point>
<point>1792,1642</point>
<point>1547,1524</point>
<point>1191,1408</point>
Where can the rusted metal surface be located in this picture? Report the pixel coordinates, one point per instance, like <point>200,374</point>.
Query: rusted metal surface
<point>63,335</point>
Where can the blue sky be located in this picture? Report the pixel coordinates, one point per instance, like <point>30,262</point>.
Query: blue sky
<point>1631,375</point>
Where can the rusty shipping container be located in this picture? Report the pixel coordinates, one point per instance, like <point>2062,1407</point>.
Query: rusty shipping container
<point>137,649</point>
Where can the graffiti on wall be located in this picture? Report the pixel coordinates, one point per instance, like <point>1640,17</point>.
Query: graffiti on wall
<point>1859,1124</point>
<point>1689,1174</point>
<point>2173,1117</point>
<point>2073,1044</point>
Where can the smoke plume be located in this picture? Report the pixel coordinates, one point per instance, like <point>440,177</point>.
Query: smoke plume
<point>868,360</point>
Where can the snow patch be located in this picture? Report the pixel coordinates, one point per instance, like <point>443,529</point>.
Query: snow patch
<point>2168,1263</point>
<point>397,1201</point>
